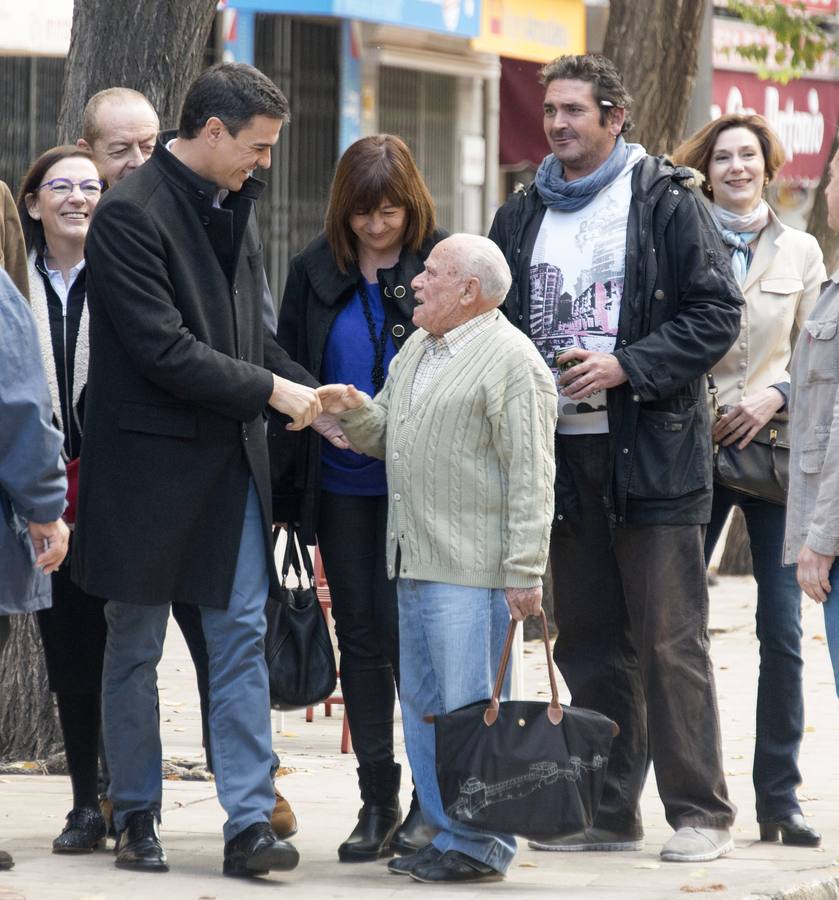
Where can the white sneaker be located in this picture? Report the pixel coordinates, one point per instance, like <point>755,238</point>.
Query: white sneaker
<point>691,844</point>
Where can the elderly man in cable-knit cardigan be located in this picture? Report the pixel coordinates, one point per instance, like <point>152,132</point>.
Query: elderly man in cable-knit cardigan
<point>465,422</point>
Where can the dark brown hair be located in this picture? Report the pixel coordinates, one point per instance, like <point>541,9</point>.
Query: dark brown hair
<point>33,229</point>
<point>696,151</point>
<point>602,74</point>
<point>373,169</point>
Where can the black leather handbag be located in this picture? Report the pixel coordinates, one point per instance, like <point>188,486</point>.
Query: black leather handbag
<point>521,766</point>
<point>298,648</point>
<point>761,468</point>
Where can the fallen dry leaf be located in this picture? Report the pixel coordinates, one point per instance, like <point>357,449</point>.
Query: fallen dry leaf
<point>701,889</point>
<point>528,866</point>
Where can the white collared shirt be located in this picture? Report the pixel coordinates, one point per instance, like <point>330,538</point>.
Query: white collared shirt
<point>62,288</point>
<point>439,350</point>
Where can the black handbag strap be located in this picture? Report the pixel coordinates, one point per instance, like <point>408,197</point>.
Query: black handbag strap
<point>295,550</point>
<point>554,710</point>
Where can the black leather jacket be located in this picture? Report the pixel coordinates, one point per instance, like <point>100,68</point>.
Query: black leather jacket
<point>315,293</point>
<point>679,314</point>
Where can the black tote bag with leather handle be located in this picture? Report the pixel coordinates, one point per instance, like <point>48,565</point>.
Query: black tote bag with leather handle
<point>298,648</point>
<point>521,766</point>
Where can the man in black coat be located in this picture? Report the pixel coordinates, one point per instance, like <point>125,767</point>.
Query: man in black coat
<point>620,280</point>
<point>174,495</point>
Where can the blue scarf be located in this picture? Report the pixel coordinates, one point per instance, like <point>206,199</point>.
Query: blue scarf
<point>569,196</point>
<point>738,231</point>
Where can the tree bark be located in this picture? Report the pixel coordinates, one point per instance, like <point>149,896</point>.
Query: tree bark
<point>817,223</point>
<point>737,556</point>
<point>28,724</point>
<point>155,47</point>
<point>655,45</point>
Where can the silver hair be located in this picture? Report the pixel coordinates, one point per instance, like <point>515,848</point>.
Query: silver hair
<point>479,257</point>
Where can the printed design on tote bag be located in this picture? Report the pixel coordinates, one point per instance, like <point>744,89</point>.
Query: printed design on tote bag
<point>475,795</point>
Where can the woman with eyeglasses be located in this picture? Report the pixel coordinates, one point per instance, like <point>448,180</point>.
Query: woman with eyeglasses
<point>56,201</point>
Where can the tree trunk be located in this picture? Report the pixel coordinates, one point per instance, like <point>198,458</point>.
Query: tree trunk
<point>655,45</point>
<point>817,223</point>
<point>28,724</point>
<point>737,556</point>
<point>155,47</point>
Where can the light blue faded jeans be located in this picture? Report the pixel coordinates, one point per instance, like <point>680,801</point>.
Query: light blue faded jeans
<point>831,621</point>
<point>450,643</point>
<point>240,714</point>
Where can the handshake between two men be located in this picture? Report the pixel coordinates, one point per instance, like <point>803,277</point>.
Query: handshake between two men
<point>320,407</point>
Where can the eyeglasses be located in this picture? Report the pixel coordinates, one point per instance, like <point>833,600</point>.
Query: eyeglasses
<point>90,187</point>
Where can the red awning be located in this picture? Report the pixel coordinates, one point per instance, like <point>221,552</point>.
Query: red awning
<point>522,142</point>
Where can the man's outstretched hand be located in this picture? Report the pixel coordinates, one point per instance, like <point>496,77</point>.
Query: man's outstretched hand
<point>299,402</point>
<point>339,398</point>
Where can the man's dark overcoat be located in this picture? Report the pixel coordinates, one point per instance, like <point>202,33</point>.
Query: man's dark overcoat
<point>178,384</point>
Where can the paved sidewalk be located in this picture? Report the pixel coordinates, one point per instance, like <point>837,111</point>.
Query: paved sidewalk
<point>321,787</point>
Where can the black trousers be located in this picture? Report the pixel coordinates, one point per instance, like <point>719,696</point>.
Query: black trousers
<point>351,535</point>
<point>631,607</point>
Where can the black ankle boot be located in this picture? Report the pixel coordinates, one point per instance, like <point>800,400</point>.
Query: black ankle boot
<point>413,834</point>
<point>380,815</point>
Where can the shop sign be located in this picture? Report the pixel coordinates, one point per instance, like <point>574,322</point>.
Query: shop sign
<point>538,30</point>
<point>804,114</point>
<point>42,29</point>
<point>456,17</point>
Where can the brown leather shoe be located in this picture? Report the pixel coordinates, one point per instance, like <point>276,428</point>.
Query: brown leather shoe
<point>283,820</point>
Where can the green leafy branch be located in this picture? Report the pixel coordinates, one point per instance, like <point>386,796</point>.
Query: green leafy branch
<point>802,42</point>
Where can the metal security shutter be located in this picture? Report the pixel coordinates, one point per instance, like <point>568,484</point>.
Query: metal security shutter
<point>420,108</point>
<point>32,88</point>
<point>302,59</point>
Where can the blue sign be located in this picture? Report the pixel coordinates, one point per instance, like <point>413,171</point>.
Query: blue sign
<point>457,17</point>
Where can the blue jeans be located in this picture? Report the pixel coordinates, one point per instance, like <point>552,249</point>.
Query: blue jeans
<point>831,620</point>
<point>780,698</point>
<point>450,642</point>
<point>240,715</point>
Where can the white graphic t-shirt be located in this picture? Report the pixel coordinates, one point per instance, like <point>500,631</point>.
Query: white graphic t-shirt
<point>576,285</point>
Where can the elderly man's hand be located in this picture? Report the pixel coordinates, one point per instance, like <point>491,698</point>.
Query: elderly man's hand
<point>339,398</point>
<point>50,540</point>
<point>298,401</point>
<point>595,372</point>
<point>524,602</point>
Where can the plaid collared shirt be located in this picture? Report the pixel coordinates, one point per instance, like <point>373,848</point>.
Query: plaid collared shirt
<point>439,350</point>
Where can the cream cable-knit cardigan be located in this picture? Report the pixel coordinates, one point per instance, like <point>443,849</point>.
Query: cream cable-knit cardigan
<point>470,467</point>
<point>40,310</point>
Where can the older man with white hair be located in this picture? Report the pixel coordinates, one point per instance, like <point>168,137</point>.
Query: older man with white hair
<point>465,422</point>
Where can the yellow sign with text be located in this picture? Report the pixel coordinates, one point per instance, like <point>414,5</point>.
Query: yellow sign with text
<point>537,30</point>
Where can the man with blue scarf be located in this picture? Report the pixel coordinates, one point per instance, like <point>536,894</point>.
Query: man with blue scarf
<point>620,280</point>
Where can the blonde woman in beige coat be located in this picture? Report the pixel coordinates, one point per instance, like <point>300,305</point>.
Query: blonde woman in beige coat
<point>780,270</point>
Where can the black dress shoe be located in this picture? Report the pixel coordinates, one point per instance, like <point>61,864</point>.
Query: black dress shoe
<point>84,831</point>
<point>258,851</point>
<point>404,865</point>
<point>6,861</point>
<point>454,867</point>
<point>138,845</point>
<point>792,830</point>
<point>413,834</point>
